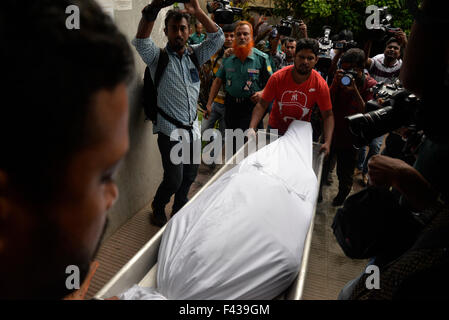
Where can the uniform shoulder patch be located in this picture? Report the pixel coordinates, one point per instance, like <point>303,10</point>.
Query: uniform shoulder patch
<point>260,53</point>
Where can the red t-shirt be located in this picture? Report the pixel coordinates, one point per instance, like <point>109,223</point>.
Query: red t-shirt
<point>294,101</point>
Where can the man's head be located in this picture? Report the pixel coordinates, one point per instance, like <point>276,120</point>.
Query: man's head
<point>392,49</point>
<point>243,42</point>
<point>290,48</point>
<point>198,28</point>
<point>62,135</point>
<point>354,59</point>
<point>306,55</point>
<point>177,29</point>
<point>346,35</point>
<point>274,38</point>
<point>228,30</point>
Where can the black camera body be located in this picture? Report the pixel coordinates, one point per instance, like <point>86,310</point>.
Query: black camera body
<point>345,45</point>
<point>348,77</point>
<point>224,13</point>
<point>285,26</point>
<point>399,109</point>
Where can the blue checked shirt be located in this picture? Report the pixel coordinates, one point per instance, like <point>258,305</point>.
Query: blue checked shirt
<point>179,86</point>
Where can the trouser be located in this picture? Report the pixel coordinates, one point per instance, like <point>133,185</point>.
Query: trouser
<point>363,158</point>
<point>217,114</point>
<point>238,113</point>
<point>346,162</point>
<point>177,177</point>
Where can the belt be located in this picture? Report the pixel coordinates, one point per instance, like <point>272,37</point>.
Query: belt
<point>238,100</point>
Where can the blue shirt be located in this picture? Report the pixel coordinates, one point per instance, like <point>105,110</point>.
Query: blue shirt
<point>180,84</point>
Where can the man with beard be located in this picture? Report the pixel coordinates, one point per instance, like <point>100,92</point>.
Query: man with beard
<point>244,75</point>
<point>60,147</point>
<point>347,100</point>
<point>177,96</point>
<point>295,90</point>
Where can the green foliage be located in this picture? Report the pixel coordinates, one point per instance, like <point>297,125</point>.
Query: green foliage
<point>341,14</point>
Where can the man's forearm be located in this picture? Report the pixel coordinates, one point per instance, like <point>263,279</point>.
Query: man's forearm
<point>149,15</point>
<point>207,22</point>
<point>214,90</point>
<point>144,29</point>
<point>359,101</point>
<point>258,113</point>
<point>328,124</point>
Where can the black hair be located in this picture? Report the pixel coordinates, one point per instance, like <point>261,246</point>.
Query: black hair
<point>290,40</point>
<point>177,16</point>
<point>52,73</point>
<point>307,43</point>
<point>354,56</point>
<point>228,28</point>
<point>391,40</point>
<point>345,34</point>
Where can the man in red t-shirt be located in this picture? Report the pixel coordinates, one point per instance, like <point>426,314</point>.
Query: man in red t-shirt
<point>295,90</point>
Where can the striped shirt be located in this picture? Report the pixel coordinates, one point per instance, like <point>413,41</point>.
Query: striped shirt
<point>381,73</point>
<point>180,84</point>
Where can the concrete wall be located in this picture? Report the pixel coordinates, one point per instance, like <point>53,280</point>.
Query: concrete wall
<point>141,171</point>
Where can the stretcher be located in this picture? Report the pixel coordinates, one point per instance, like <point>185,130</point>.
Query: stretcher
<point>142,268</point>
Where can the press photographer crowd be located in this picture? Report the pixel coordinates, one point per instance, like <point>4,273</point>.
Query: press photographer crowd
<point>376,114</point>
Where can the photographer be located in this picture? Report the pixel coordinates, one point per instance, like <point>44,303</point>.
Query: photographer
<point>344,37</point>
<point>384,68</point>
<point>421,270</point>
<point>347,98</point>
<point>177,94</point>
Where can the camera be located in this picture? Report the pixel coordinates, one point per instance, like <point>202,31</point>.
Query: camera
<point>223,13</point>
<point>400,109</point>
<point>348,77</point>
<point>285,26</point>
<point>344,45</point>
<point>325,44</point>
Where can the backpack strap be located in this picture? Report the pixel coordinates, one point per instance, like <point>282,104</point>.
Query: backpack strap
<point>194,58</point>
<point>161,66</point>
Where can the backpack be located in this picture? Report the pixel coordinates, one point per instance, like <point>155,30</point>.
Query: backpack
<point>149,96</point>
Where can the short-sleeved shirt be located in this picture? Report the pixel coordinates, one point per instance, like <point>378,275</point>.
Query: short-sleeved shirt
<point>196,39</point>
<point>380,72</point>
<point>242,80</point>
<point>344,104</point>
<point>294,101</point>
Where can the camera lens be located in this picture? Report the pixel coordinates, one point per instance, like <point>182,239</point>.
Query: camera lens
<point>346,80</point>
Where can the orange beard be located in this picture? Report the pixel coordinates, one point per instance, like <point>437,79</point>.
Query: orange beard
<point>242,52</point>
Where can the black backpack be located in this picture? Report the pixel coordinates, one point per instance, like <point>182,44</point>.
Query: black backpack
<point>372,223</point>
<point>149,96</point>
